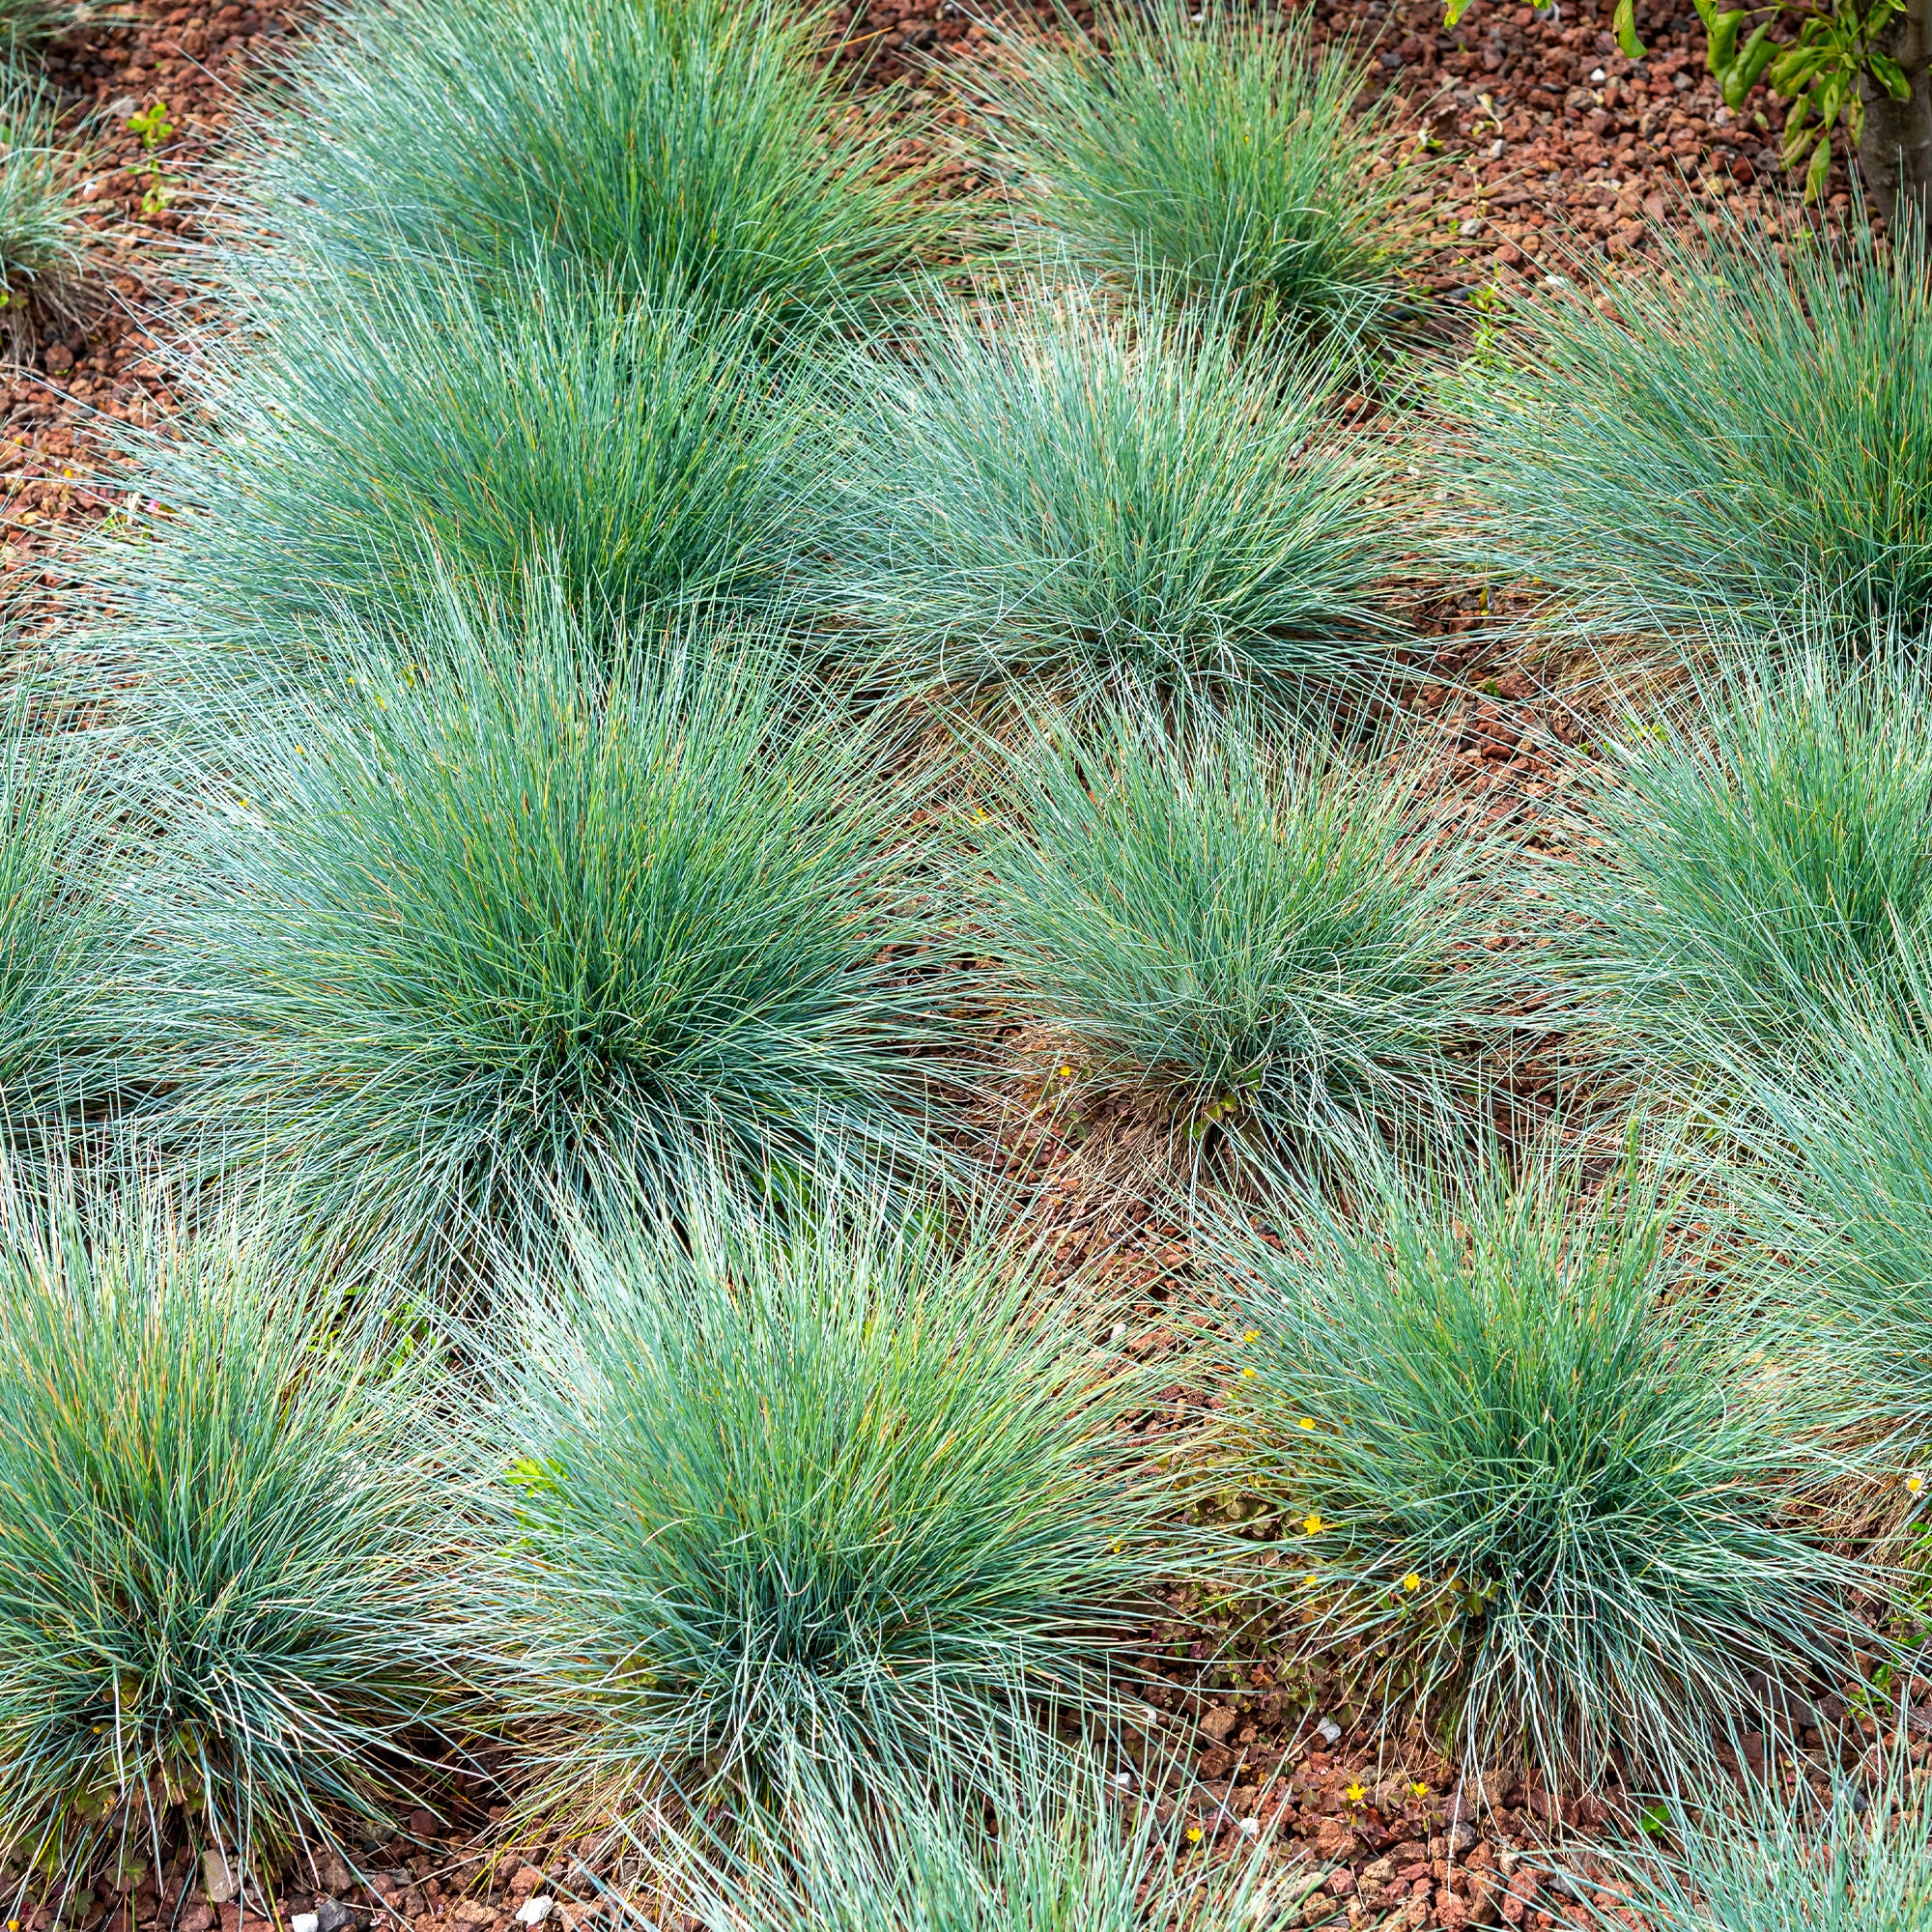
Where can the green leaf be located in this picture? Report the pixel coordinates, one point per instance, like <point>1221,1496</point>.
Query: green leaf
<point>1624,26</point>
<point>1821,166</point>
<point>1887,71</point>
<point>1454,12</point>
<point>1723,29</point>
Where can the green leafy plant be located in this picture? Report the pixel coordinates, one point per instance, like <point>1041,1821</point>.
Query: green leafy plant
<point>220,1533</point>
<point>1077,493</point>
<point>1534,1474</point>
<point>1766,837</point>
<point>816,1497</point>
<point>1214,153</point>
<point>1819,72</point>
<point>533,912</point>
<point>1744,448</point>
<point>348,450</point>
<point>1070,1849</point>
<point>673,147</point>
<point>156,130</point>
<point>1255,941</point>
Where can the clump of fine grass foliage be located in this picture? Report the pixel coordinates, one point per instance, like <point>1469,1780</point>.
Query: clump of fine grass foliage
<point>1212,155</point>
<point>1852,1863</point>
<point>1072,491</point>
<point>1250,937</point>
<point>664,146</point>
<point>1768,838</point>
<point>25,23</point>
<point>1523,1455</point>
<point>218,1537</point>
<point>1745,441</point>
<point>66,1034</point>
<point>42,167</point>
<point>1842,1125</point>
<point>538,908</point>
<point>1029,1838</point>
<point>813,1496</point>
<point>343,438</point>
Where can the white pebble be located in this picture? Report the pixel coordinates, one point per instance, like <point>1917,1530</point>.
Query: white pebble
<point>533,1912</point>
<point>304,1921</point>
<point>1330,1730</point>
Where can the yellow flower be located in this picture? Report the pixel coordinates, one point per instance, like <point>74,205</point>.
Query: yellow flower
<point>1411,1581</point>
<point>1313,1525</point>
<point>1915,1484</point>
<point>1247,1371</point>
<point>1194,1835</point>
<point>1306,1422</point>
<point>1067,1073</point>
<point>1418,1790</point>
<point>1251,1335</point>
<point>1117,1545</point>
<point>1354,1794</point>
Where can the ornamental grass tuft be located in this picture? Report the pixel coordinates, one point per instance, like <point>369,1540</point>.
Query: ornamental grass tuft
<point>349,448</point>
<point>1745,443</point>
<point>680,148</point>
<point>1854,1863</point>
<point>535,910</point>
<point>220,1538</point>
<point>42,163</point>
<point>1036,1839</point>
<point>826,1496</point>
<point>67,1039</point>
<point>1252,937</point>
<point>1081,494</point>
<point>1212,154</point>
<point>1532,1457</point>
<point>1768,838</point>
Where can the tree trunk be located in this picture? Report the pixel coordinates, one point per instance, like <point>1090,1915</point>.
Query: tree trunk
<point>1896,149</point>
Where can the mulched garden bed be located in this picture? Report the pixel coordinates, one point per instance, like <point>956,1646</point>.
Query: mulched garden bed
<point>1555,149</point>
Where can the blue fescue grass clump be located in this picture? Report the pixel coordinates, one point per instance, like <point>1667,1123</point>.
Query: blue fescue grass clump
<point>220,1538</point>
<point>818,1498</point>
<point>534,909</point>
<point>1079,494</point>
<point>42,166</point>
<point>68,1039</point>
<point>1858,1861</point>
<point>1216,154</point>
<point>1743,444</point>
<point>1842,1127</point>
<point>1251,936</point>
<point>349,446</point>
<point>661,146</point>
<point>1032,1837</point>
<point>1768,839</point>
<point>1528,1451</point>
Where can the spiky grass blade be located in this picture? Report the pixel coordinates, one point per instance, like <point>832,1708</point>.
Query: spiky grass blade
<point>1036,1839</point>
<point>69,1042</point>
<point>1858,1862</point>
<point>42,166</point>
<point>1212,155</point>
<point>349,446</point>
<point>675,147</point>
<point>533,911</point>
<point>821,1495</point>
<point>1075,494</point>
<point>1521,1449</point>
<point>1743,444</point>
<point>1255,939</point>
<point>218,1539</point>
<point>1768,838</point>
